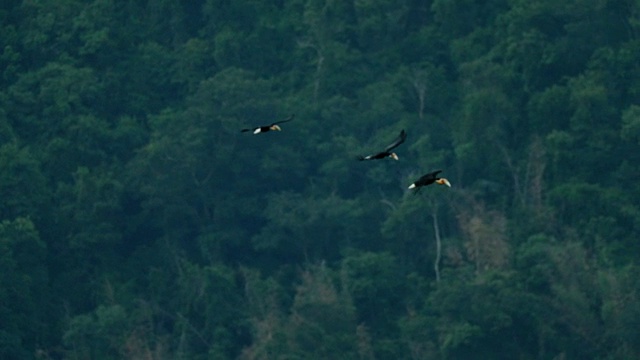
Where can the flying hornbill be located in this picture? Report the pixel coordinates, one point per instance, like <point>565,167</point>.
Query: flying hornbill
<point>273,126</point>
<point>387,152</point>
<point>429,179</point>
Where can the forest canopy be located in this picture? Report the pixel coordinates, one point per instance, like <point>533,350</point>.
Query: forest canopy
<point>137,221</point>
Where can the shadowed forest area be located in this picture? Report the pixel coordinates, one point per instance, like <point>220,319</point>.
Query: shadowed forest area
<point>138,222</point>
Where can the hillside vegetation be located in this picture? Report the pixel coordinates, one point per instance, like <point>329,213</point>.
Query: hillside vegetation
<point>138,222</point>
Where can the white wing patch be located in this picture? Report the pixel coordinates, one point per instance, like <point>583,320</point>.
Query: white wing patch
<point>257,131</point>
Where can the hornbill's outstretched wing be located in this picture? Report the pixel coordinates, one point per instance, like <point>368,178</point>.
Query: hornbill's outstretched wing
<point>285,120</point>
<point>272,126</point>
<point>399,140</point>
<point>387,151</point>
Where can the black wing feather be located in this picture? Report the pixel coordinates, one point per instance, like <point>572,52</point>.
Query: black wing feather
<point>399,140</point>
<point>429,176</point>
<point>284,121</point>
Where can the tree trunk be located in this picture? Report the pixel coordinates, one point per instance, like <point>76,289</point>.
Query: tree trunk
<point>436,228</point>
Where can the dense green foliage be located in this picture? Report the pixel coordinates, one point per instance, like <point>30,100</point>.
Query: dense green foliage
<point>137,222</point>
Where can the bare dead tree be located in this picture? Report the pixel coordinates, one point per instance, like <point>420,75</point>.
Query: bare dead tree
<point>529,185</point>
<point>515,173</point>
<point>436,229</point>
<point>419,82</point>
<point>319,62</point>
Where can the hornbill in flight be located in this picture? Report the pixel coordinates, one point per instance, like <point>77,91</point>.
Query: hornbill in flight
<point>265,128</point>
<point>387,152</point>
<point>429,179</point>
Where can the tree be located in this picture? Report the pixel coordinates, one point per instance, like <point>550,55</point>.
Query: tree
<point>380,24</point>
<point>41,101</point>
<point>25,312</point>
<point>487,244</point>
<point>98,335</point>
<point>23,186</point>
<point>322,318</point>
<point>377,287</point>
<point>631,124</point>
<point>620,310</point>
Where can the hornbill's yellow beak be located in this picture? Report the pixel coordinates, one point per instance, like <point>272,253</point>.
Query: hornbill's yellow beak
<point>443,182</point>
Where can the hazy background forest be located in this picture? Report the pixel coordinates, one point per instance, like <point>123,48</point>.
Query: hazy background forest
<point>137,222</point>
